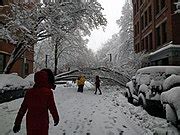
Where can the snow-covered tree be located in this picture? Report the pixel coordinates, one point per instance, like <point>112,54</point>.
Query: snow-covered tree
<point>25,26</point>
<point>70,53</point>
<point>120,47</point>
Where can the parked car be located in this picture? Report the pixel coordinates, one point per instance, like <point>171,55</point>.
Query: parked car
<point>170,98</point>
<point>146,86</point>
<point>12,87</point>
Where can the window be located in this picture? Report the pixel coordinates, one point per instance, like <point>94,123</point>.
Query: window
<point>1,2</point>
<point>2,62</point>
<point>146,19</point>
<point>160,4</point>
<point>157,6</point>
<point>138,27</point>
<point>150,13</point>
<point>26,66</point>
<point>141,2</point>
<point>161,34</point>
<point>150,42</point>
<point>142,44</point>
<point>158,37</point>
<point>146,43</point>
<point>164,32</point>
<point>142,22</point>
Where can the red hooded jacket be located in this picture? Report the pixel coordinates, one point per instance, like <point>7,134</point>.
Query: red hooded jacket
<point>37,102</point>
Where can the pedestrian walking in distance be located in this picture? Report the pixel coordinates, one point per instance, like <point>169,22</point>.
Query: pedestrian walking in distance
<point>80,82</point>
<point>97,84</point>
<point>37,101</point>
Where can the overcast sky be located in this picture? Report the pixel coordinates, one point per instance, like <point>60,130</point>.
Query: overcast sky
<point>112,10</point>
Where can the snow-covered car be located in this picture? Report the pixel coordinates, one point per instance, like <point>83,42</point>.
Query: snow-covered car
<point>170,98</point>
<point>12,86</point>
<point>147,84</point>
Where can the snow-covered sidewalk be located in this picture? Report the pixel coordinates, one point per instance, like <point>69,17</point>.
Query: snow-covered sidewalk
<point>83,113</point>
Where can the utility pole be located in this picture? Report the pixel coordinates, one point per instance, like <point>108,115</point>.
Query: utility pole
<point>46,60</point>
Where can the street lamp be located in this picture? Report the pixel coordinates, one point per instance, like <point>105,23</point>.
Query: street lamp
<point>110,57</point>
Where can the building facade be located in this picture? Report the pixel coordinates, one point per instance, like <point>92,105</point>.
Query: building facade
<point>157,31</point>
<point>24,65</point>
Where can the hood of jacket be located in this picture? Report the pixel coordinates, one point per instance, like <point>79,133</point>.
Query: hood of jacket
<point>41,79</point>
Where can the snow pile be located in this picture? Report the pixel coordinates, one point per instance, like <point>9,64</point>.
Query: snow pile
<point>143,88</point>
<point>87,85</point>
<point>172,97</point>
<point>30,79</point>
<point>143,79</point>
<point>12,82</point>
<point>155,84</point>
<point>152,125</point>
<point>69,84</point>
<point>170,81</point>
<point>130,86</point>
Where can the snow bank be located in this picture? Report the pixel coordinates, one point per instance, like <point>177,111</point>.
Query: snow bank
<point>172,97</point>
<point>30,79</point>
<point>87,85</point>
<point>130,86</point>
<point>12,82</point>
<point>170,81</point>
<point>143,88</point>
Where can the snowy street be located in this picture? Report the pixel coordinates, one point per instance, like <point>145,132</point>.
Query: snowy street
<point>83,113</point>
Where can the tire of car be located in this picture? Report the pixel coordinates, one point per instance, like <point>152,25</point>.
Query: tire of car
<point>130,100</point>
<point>126,94</point>
<point>142,100</point>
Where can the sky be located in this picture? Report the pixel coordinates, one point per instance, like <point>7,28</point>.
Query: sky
<point>112,11</point>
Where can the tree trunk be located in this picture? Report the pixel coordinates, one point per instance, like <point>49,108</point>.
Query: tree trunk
<point>55,59</point>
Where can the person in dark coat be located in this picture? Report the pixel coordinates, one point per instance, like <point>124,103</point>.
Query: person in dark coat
<point>36,104</point>
<point>97,84</point>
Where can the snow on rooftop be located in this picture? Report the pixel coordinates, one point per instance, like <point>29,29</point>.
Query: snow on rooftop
<point>12,82</point>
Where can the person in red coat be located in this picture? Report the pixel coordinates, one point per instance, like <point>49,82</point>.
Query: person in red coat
<point>36,103</point>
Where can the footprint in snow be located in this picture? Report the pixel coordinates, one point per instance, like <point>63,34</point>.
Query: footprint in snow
<point>110,133</point>
<point>108,127</point>
<point>124,126</point>
<point>77,127</point>
<point>120,131</point>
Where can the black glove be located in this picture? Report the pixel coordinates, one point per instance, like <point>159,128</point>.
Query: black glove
<point>56,123</point>
<point>16,128</point>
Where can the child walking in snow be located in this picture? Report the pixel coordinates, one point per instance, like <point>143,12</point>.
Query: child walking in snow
<point>97,84</point>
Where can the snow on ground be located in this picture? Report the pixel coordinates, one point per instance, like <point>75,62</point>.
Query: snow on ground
<point>82,113</point>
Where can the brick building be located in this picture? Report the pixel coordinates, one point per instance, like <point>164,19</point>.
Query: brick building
<point>157,31</point>
<point>24,65</point>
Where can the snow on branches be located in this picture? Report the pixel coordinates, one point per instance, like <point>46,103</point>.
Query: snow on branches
<point>25,25</point>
